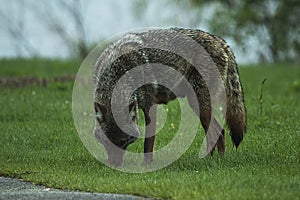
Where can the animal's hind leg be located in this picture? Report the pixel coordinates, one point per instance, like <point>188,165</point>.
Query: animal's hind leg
<point>221,139</point>
<point>204,113</point>
<point>205,118</point>
<point>214,131</point>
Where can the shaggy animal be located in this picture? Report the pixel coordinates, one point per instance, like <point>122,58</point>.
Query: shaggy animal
<point>131,51</point>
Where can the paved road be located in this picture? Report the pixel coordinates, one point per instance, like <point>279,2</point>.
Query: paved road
<point>14,189</point>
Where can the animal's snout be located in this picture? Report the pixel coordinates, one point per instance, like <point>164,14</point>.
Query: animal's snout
<point>115,156</point>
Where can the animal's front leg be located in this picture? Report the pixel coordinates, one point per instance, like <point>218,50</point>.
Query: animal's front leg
<point>150,118</point>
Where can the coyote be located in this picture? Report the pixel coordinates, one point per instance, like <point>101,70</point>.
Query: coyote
<point>133,52</point>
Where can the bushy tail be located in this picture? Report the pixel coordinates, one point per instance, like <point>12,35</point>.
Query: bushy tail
<point>236,116</point>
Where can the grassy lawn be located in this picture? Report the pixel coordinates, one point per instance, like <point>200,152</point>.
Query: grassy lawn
<point>39,142</point>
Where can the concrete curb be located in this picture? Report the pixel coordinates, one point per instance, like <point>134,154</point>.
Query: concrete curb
<point>14,189</point>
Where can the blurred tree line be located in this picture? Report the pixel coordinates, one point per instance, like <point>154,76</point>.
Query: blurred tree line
<point>273,23</point>
<point>50,14</point>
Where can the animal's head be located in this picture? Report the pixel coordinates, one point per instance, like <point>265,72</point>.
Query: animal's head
<point>111,135</point>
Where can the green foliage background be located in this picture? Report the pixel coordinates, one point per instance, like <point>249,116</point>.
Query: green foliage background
<point>273,23</point>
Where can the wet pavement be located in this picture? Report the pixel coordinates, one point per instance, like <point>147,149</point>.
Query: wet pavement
<point>14,189</point>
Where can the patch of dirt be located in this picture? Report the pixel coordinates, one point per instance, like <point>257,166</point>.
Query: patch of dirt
<point>29,80</point>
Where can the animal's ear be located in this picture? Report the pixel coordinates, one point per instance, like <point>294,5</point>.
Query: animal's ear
<point>100,111</point>
<point>133,110</point>
<point>127,109</point>
<point>132,139</point>
<point>132,106</point>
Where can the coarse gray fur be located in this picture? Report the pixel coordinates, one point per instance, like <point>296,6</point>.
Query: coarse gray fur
<point>129,52</point>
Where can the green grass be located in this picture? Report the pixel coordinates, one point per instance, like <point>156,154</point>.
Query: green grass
<point>37,67</point>
<point>39,142</point>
